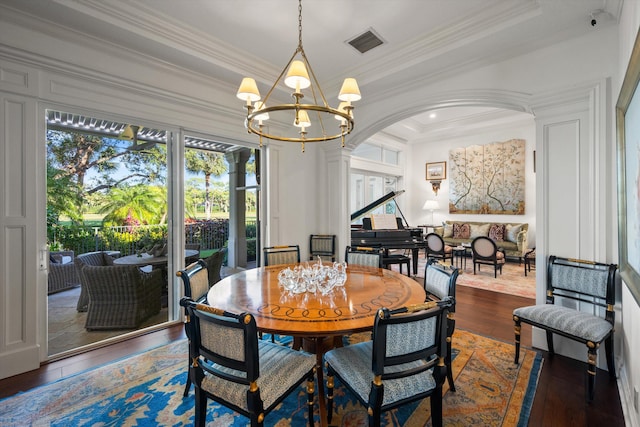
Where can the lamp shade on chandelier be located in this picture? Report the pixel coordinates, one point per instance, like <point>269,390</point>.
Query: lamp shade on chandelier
<point>306,119</point>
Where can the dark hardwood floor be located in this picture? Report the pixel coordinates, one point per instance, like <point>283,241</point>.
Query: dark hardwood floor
<point>559,399</point>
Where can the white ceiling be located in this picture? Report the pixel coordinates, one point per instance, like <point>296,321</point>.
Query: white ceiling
<point>228,39</point>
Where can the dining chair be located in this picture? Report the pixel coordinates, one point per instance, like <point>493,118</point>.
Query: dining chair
<point>404,362</point>
<point>439,283</point>
<point>401,259</point>
<point>436,248</point>
<point>233,368</point>
<point>195,281</point>
<point>574,285</point>
<point>485,251</point>
<point>284,254</point>
<point>323,246</point>
<point>362,255</point>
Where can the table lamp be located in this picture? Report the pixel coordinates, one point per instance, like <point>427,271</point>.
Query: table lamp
<point>431,205</point>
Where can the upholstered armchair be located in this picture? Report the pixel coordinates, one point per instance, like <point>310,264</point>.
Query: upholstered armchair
<point>120,296</point>
<point>62,272</point>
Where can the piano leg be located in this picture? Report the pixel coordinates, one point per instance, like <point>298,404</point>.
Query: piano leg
<point>414,256</point>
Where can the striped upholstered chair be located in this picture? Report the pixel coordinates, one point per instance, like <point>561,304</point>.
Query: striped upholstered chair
<point>366,256</point>
<point>573,286</point>
<point>439,283</point>
<point>404,362</point>
<point>195,280</point>
<point>277,255</point>
<point>323,246</point>
<point>232,367</point>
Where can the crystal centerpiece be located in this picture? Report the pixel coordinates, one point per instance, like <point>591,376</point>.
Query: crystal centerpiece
<point>317,277</point>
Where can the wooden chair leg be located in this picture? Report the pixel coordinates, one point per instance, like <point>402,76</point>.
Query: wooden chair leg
<point>608,348</point>
<point>310,389</point>
<point>517,329</point>
<point>550,342</point>
<point>592,357</point>
<point>329,396</point>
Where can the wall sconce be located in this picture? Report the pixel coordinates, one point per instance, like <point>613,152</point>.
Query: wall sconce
<point>436,172</point>
<point>435,186</point>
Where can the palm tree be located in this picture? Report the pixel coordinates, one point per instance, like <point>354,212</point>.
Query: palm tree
<point>143,203</point>
<point>206,162</point>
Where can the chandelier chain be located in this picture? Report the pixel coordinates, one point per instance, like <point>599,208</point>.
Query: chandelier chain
<point>300,24</point>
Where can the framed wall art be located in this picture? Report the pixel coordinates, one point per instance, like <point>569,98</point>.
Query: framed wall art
<point>436,171</point>
<point>628,130</point>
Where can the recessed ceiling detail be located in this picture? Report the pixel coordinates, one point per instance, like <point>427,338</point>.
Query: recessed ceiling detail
<point>365,41</point>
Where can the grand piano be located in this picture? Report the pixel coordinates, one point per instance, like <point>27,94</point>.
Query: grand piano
<point>404,237</point>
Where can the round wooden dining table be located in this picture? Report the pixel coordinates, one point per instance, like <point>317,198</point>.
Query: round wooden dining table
<point>316,319</point>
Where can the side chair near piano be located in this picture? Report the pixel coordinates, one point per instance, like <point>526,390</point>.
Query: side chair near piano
<point>485,251</point>
<point>436,248</point>
<point>232,367</point>
<point>284,254</point>
<point>440,283</point>
<point>572,286</point>
<point>404,362</point>
<point>195,281</point>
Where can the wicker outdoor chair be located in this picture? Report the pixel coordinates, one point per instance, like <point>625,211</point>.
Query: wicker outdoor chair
<point>99,258</point>
<point>120,296</point>
<point>62,276</point>
<point>214,265</point>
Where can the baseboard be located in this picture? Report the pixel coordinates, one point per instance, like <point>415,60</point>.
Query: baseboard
<point>626,399</point>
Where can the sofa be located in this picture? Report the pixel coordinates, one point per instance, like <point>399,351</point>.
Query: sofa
<point>511,238</point>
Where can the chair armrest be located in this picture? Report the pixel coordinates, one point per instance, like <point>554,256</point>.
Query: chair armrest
<point>522,242</point>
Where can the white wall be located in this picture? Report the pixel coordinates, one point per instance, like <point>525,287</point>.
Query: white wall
<point>436,151</point>
<point>629,374</point>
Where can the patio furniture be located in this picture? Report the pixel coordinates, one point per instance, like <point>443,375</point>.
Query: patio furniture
<point>120,297</point>
<point>99,258</point>
<point>214,265</point>
<point>62,272</point>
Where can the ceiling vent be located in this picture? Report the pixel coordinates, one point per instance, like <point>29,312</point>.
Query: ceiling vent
<point>366,41</point>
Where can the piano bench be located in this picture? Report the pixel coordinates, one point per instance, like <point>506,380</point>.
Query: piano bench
<point>399,259</point>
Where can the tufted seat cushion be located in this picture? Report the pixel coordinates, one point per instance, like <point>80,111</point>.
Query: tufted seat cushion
<point>573,322</point>
<point>280,369</point>
<point>356,361</point>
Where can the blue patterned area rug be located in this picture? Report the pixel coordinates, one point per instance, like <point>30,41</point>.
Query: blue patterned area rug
<point>146,390</point>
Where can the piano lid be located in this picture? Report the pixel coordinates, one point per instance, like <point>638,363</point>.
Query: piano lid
<point>373,205</point>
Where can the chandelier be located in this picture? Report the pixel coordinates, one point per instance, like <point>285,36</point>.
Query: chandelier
<point>310,122</point>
